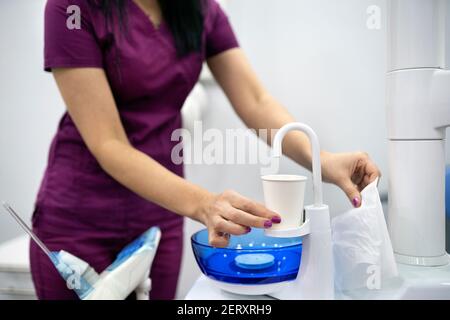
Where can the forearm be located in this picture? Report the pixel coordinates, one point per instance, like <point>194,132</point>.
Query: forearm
<point>267,113</point>
<point>149,179</point>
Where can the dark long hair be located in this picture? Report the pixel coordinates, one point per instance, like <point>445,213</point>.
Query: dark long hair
<point>184,18</point>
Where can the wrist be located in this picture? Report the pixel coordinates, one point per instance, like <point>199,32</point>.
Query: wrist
<point>324,155</point>
<point>202,203</point>
<point>324,164</point>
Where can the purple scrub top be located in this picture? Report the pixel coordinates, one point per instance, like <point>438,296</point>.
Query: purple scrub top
<point>149,82</point>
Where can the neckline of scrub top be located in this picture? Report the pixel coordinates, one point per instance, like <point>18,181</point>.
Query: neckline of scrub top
<point>153,26</point>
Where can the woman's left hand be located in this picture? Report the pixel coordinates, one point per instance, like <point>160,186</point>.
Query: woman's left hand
<point>352,172</point>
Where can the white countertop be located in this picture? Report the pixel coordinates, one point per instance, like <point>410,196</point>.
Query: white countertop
<point>14,255</point>
<point>15,277</point>
<point>416,283</point>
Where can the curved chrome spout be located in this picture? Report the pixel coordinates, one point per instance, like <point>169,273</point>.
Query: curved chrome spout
<point>316,167</point>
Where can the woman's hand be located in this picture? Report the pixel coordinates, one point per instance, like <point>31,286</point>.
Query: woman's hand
<point>230,213</point>
<point>352,172</point>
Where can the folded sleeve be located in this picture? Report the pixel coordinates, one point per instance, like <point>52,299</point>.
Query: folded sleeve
<point>69,37</point>
<point>219,32</point>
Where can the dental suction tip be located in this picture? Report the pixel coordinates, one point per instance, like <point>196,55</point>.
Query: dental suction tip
<point>7,206</point>
<point>27,229</point>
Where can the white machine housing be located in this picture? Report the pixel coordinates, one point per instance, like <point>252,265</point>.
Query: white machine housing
<point>418,111</point>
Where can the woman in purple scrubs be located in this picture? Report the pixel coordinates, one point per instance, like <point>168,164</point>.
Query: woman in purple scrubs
<point>124,69</point>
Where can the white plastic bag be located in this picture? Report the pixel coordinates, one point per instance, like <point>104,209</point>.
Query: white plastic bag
<point>362,249</point>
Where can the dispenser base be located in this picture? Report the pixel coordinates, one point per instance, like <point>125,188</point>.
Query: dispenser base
<point>301,231</point>
<point>249,290</point>
<point>423,261</point>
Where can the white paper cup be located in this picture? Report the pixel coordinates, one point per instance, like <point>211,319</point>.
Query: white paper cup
<point>284,194</point>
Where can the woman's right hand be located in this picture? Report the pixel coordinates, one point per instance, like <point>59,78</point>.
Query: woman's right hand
<point>230,213</point>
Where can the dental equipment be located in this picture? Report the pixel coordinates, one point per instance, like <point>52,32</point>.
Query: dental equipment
<point>24,226</point>
<point>418,111</point>
<point>315,279</point>
<point>268,264</point>
<point>129,272</point>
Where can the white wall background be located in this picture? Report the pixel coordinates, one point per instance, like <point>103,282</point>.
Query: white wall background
<point>30,107</point>
<point>316,56</point>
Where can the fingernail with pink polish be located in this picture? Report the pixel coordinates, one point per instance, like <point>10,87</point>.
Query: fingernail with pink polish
<point>355,202</point>
<point>267,224</point>
<point>276,220</point>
